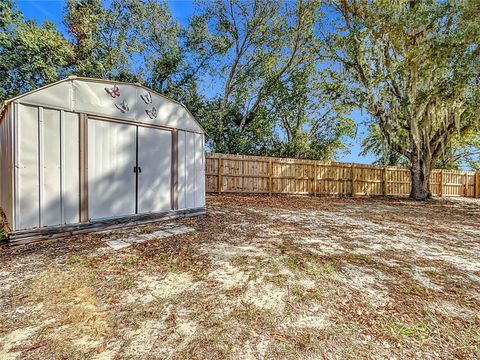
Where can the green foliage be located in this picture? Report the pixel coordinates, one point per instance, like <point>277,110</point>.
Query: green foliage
<point>103,38</point>
<point>309,117</point>
<point>82,19</point>
<point>30,55</point>
<point>463,151</point>
<point>375,143</point>
<point>158,37</point>
<point>133,40</point>
<point>272,97</point>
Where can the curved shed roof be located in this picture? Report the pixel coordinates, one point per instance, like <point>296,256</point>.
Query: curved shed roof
<point>113,99</point>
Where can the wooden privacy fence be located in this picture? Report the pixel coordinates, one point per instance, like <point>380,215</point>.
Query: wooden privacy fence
<point>269,175</point>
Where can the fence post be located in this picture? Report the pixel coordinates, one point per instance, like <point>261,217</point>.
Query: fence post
<point>220,175</point>
<point>270,171</point>
<point>353,180</point>
<point>385,183</point>
<point>440,184</point>
<point>477,185</point>
<point>314,179</point>
<point>466,185</point>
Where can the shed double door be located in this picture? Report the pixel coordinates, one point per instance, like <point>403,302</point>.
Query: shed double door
<point>129,169</point>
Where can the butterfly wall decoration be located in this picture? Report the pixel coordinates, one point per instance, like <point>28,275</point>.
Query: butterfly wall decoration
<point>123,107</point>
<point>147,98</point>
<point>152,114</point>
<point>113,92</point>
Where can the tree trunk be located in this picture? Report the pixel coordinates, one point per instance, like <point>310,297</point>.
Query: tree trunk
<point>420,171</point>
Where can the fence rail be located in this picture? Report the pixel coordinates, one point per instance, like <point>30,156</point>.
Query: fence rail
<point>269,175</point>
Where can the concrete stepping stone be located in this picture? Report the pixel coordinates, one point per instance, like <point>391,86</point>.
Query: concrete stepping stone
<point>168,230</point>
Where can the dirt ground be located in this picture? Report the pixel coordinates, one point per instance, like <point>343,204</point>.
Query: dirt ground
<point>281,277</point>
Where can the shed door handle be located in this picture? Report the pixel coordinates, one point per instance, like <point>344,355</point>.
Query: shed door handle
<point>135,169</point>
<point>139,169</point>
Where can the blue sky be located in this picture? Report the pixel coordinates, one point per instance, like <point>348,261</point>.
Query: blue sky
<point>51,10</point>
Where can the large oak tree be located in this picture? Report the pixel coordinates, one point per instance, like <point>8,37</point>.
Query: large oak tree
<point>415,67</point>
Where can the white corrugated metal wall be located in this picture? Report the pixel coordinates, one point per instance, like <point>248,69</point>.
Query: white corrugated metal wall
<point>191,170</point>
<point>111,180</point>
<point>6,163</point>
<point>155,163</point>
<point>47,191</point>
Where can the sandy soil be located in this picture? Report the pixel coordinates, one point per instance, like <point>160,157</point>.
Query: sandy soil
<point>281,277</point>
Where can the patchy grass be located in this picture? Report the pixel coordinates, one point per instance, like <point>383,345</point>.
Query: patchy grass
<point>280,277</point>
<point>4,227</point>
<point>132,260</point>
<point>146,229</point>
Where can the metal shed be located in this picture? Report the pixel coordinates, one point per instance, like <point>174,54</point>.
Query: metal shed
<point>81,151</point>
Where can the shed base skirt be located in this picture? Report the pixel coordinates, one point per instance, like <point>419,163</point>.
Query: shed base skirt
<point>20,237</point>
